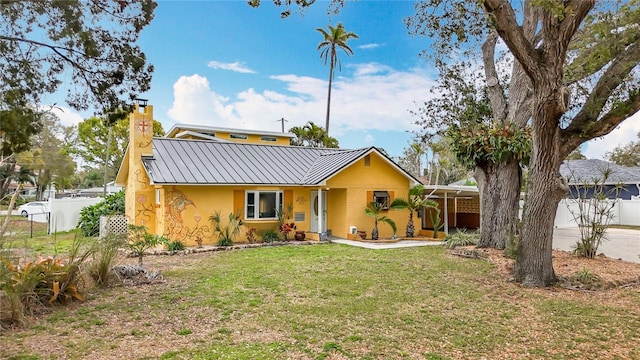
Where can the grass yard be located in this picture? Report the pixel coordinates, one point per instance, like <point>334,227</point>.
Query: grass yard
<point>332,301</point>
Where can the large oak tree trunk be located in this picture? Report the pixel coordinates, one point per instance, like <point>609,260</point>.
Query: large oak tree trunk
<point>545,188</point>
<point>499,187</point>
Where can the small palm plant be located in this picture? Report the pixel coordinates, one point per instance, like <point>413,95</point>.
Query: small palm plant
<point>373,210</point>
<point>139,240</point>
<point>227,232</point>
<point>414,202</point>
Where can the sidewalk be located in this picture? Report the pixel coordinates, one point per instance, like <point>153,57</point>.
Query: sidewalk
<point>383,245</point>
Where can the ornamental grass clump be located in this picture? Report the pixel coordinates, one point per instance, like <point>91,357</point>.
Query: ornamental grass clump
<point>460,238</point>
<point>42,282</point>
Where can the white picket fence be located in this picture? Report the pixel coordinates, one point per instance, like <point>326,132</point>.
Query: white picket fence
<point>625,212</point>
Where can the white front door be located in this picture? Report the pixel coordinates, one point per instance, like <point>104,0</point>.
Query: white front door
<point>316,206</point>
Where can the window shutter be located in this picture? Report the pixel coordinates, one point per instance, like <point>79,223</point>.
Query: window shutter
<point>288,197</point>
<point>238,201</point>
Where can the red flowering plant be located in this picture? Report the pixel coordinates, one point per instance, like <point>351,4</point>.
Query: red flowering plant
<point>284,226</point>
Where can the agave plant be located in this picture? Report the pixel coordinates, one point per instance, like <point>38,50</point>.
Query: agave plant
<point>414,202</point>
<point>373,210</point>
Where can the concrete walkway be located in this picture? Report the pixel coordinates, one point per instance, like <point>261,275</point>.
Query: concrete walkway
<point>619,243</point>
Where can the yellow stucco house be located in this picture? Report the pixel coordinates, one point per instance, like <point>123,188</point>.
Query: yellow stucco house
<point>175,183</point>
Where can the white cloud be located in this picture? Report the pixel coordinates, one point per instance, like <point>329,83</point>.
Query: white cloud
<point>195,102</point>
<point>369,46</point>
<point>623,134</point>
<point>376,97</point>
<point>67,116</point>
<point>234,66</point>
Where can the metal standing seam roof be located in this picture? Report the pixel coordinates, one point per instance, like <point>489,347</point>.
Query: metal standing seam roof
<point>201,162</point>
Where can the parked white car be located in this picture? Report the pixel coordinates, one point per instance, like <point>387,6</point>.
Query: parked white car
<point>33,208</point>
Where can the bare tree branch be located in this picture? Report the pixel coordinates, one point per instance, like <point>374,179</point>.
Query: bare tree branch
<point>494,88</point>
<point>584,124</point>
<point>514,36</point>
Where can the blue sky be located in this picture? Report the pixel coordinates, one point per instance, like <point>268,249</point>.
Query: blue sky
<point>223,63</point>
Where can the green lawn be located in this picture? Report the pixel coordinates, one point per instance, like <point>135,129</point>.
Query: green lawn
<point>333,302</point>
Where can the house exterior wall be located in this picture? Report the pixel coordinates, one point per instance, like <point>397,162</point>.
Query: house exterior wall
<point>183,211</point>
<point>359,181</point>
<point>252,138</point>
<point>622,191</point>
<point>140,195</point>
<point>186,210</point>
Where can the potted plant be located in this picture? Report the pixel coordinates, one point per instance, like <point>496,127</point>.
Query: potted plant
<point>373,210</point>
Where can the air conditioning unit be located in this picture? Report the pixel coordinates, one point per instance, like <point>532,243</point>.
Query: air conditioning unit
<point>353,230</point>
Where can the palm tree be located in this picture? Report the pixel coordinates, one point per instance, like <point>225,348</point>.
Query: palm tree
<point>414,202</point>
<point>336,38</point>
<point>312,135</point>
<point>373,210</point>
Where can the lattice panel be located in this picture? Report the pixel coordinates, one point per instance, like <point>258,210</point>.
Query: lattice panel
<point>469,206</point>
<point>115,224</point>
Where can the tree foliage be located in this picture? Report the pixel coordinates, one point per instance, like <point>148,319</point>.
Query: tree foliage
<point>626,155</point>
<point>481,144</point>
<point>89,222</point>
<point>44,45</point>
<point>48,158</point>
<point>93,134</point>
<point>18,127</point>
<point>312,135</point>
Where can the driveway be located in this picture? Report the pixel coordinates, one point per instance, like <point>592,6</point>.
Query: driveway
<point>619,243</point>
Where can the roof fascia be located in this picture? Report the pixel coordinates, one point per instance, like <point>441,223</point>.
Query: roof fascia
<point>123,171</point>
<point>368,152</point>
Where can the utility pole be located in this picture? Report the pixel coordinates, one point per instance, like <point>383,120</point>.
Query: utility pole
<point>283,120</point>
<point>106,161</point>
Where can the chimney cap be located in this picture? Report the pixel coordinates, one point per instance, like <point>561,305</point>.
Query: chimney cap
<point>141,102</point>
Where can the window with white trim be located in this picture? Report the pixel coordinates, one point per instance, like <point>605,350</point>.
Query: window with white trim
<point>238,136</point>
<point>268,138</point>
<point>261,205</point>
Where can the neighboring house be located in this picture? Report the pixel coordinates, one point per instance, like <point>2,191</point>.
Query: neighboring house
<point>99,191</point>
<point>582,174</point>
<point>174,184</point>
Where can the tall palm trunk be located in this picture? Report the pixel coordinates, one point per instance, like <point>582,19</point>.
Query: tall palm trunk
<point>326,127</point>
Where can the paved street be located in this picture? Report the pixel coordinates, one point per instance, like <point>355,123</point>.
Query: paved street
<point>619,244</point>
